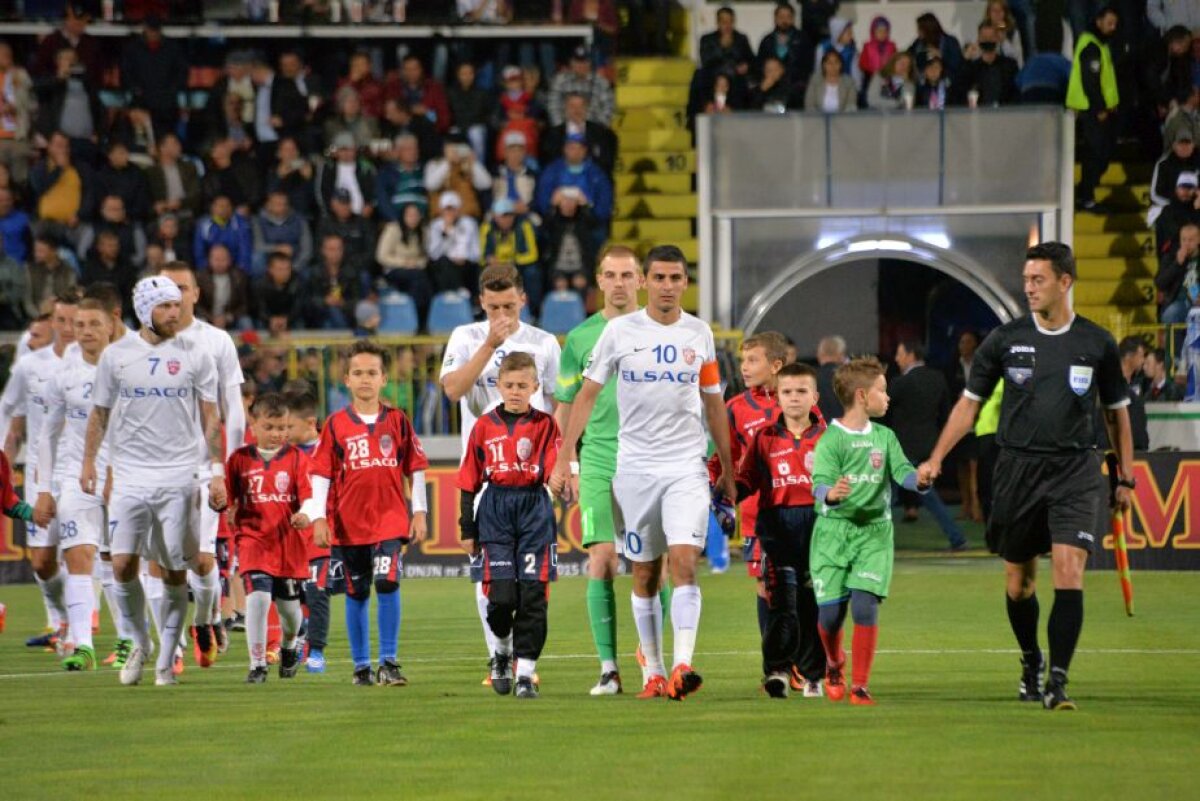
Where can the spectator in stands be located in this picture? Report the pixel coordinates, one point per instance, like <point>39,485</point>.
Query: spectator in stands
<point>113,217</point>
<point>894,86</point>
<point>1184,114</point>
<point>1178,280</point>
<point>774,92</point>
<point>289,99</point>
<point>831,354</point>
<point>174,181</point>
<point>516,178</point>
<point>723,96</point>
<point>459,172</point>
<point>509,239</point>
<point>602,16</point>
<point>815,16</point>
<point>16,233</point>
<point>357,232</point>
<point>73,34</point>
<point>577,171</point>
<point>267,123</point>
<point>790,46</point>
<point>68,102</point>
<point>16,114</point>
<point>647,42</point>
<point>277,300</point>
<point>571,243</point>
<point>108,261</point>
<point>62,190</point>
<point>532,78</point>
<point>292,175</point>
<point>425,96</point>
<point>1092,93</point>
<point>401,180</point>
<point>841,41</point>
<point>932,38</point>
<point>278,229</point>
<point>237,81</point>
<point>361,78</point>
<point>350,120</point>
<point>1132,350</point>
<point>50,275</point>
<point>398,120</point>
<point>471,106</point>
<point>987,72</point>
<point>835,91</point>
<point>878,49</point>
<point>453,246</point>
<point>169,236</point>
<point>1159,388</point>
<point>231,125</point>
<point>1046,73</point>
<point>1167,69</point>
<point>1011,21</point>
<point>224,292</point>
<point>1181,211</point>
<point>401,255</point>
<point>15,309</point>
<point>933,90</point>
<point>232,174</point>
<point>127,181</point>
<point>514,117</point>
<point>333,288</point>
<point>154,72</point>
<point>726,49</point>
<point>1164,181</point>
<point>580,78</point>
<point>224,226</point>
<point>601,141</point>
<point>1166,14</point>
<point>346,170</point>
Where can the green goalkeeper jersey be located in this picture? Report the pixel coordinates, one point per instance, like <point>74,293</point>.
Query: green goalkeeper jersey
<point>599,448</point>
<point>871,459</point>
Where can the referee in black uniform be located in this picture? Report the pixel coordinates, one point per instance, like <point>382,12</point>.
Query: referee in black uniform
<point>1048,487</point>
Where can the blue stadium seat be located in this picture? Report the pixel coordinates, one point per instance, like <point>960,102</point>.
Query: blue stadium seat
<point>397,314</point>
<point>448,311</point>
<point>562,311</point>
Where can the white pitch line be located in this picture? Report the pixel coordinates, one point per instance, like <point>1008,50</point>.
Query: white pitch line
<point>225,664</point>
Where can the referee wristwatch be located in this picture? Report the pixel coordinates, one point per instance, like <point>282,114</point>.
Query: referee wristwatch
<point>1127,483</point>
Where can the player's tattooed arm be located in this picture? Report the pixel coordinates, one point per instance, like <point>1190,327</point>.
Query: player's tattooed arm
<point>210,416</point>
<point>97,427</point>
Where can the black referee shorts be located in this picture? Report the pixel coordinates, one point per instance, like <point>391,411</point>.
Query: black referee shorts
<point>1039,500</point>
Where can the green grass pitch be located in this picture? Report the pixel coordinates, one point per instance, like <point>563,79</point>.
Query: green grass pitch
<point>947,725</point>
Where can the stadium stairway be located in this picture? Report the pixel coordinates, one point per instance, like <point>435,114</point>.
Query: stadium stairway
<point>655,180</point>
<point>1115,252</point>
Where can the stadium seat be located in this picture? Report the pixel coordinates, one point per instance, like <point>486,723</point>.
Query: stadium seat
<point>448,311</point>
<point>562,311</point>
<point>397,314</point>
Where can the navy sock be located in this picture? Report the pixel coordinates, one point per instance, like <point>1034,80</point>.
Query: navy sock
<point>1066,621</point>
<point>1023,617</point>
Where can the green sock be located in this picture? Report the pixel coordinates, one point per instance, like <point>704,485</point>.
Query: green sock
<point>664,596</point>
<point>602,616</point>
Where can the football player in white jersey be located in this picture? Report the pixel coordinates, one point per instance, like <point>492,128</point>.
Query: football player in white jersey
<point>471,367</point>
<point>208,635</point>
<point>23,404</point>
<point>668,386</point>
<point>59,452</point>
<point>149,387</point>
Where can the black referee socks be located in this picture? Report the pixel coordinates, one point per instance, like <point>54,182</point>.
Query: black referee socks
<point>1066,621</point>
<point>1023,617</point>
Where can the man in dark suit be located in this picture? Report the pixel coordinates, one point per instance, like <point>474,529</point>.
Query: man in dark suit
<point>920,404</point>
<point>831,354</point>
<point>601,141</point>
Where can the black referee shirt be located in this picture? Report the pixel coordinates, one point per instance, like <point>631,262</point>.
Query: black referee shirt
<point>1051,381</point>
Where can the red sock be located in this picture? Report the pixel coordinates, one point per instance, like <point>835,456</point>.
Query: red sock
<point>863,654</point>
<point>834,655</point>
<point>274,630</point>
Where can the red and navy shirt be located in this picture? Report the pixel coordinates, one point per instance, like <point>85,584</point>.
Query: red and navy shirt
<point>748,412</point>
<point>366,465</point>
<point>315,552</point>
<point>777,466</point>
<point>517,452</point>
<point>266,493</point>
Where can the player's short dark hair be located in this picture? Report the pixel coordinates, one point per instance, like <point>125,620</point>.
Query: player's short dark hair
<point>773,343</point>
<point>301,402</point>
<point>92,304</point>
<point>797,370</point>
<point>501,278</point>
<point>914,347</point>
<point>517,360</point>
<point>269,404</point>
<point>178,266</point>
<point>725,10</point>
<point>618,252</point>
<point>249,389</point>
<point>106,293</point>
<point>1130,345</point>
<point>1158,353</point>
<point>858,373</point>
<point>44,317</point>
<point>68,297</point>
<point>667,253</point>
<point>278,255</point>
<point>1061,259</point>
<point>368,348</point>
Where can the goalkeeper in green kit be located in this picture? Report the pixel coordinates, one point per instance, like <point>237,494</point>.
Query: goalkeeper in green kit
<point>852,545</point>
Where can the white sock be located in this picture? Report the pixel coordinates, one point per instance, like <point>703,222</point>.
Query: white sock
<point>647,616</point>
<point>131,600</point>
<point>685,619</point>
<point>481,603</point>
<point>54,591</point>
<point>154,599</point>
<point>108,585</point>
<point>526,668</point>
<point>205,589</point>
<point>80,598</point>
<point>257,606</point>
<point>608,666</point>
<point>174,613</point>
<point>290,618</point>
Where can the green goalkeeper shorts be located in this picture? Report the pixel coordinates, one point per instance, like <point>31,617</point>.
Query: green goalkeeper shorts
<point>596,507</point>
<point>846,557</point>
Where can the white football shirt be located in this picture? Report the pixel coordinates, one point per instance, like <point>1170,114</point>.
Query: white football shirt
<point>219,346</point>
<point>467,339</point>
<point>657,370</point>
<point>153,392</point>
<point>69,403</point>
<point>25,396</point>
